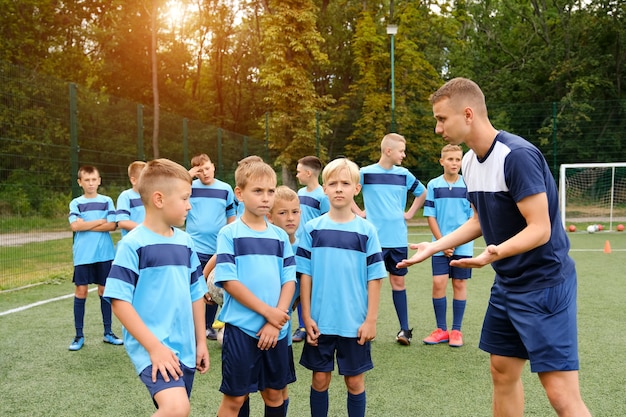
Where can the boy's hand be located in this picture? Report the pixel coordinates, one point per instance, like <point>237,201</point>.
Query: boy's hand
<point>268,337</point>
<point>367,332</point>
<point>202,357</point>
<point>165,361</point>
<point>423,252</point>
<point>312,332</point>
<point>276,317</point>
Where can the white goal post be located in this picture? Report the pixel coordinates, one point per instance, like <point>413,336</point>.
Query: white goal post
<point>593,193</point>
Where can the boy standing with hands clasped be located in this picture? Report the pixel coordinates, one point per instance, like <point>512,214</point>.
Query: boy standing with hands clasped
<point>341,263</point>
<point>157,291</point>
<point>255,266</point>
<point>92,217</point>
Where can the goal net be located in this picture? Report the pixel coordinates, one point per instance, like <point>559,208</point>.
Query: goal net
<point>593,193</point>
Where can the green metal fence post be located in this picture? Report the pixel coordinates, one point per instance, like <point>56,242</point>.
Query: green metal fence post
<point>141,156</point>
<point>74,149</point>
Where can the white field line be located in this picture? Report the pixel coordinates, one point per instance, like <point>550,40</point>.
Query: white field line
<point>38,303</point>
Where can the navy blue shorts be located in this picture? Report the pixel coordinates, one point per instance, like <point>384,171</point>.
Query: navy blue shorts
<point>392,256</point>
<point>95,273</point>
<point>537,325</point>
<point>154,388</point>
<point>441,266</point>
<point>246,368</point>
<point>352,359</point>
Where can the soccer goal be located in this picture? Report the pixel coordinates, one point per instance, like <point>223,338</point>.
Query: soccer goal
<point>593,193</point>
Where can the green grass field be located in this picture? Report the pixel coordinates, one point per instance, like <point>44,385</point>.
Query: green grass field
<point>40,377</point>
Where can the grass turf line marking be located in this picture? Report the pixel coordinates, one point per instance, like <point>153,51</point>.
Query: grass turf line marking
<point>38,303</point>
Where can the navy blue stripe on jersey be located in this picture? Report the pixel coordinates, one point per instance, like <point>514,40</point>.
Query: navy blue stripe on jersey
<point>385,179</point>
<point>325,238</point>
<point>455,192</point>
<point>225,258</point>
<point>164,255</point>
<point>258,246</point>
<point>309,201</point>
<point>123,212</point>
<point>135,202</point>
<point>209,193</point>
<point>101,206</point>
<point>376,257</point>
<point>303,253</point>
<point>429,203</point>
<point>289,261</point>
<point>123,274</point>
<point>230,206</point>
<point>197,274</point>
<point>414,186</point>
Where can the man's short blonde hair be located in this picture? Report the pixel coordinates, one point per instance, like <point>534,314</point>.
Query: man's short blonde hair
<point>391,139</point>
<point>461,92</point>
<point>253,170</point>
<point>340,164</point>
<point>158,175</point>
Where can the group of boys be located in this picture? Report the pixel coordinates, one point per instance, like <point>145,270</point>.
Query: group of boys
<point>258,255</point>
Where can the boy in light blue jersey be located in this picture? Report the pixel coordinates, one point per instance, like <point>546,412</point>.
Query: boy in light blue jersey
<point>446,209</point>
<point>130,210</point>
<point>255,266</point>
<point>313,203</point>
<point>342,266</point>
<point>213,206</point>
<point>92,217</point>
<point>156,289</point>
<point>385,187</point>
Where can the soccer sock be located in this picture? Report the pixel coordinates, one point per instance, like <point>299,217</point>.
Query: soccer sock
<point>209,315</point>
<point>244,411</point>
<point>319,403</point>
<point>105,308</point>
<point>356,405</point>
<point>79,315</point>
<point>440,305</point>
<point>399,301</point>
<point>286,404</point>
<point>300,320</point>
<point>275,411</point>
<point>458,310</point>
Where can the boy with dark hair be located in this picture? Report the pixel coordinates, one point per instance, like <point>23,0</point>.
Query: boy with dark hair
<point>342,268</point>
<point>256,267</point>
<point>92,217</point>
<point>156,289</point>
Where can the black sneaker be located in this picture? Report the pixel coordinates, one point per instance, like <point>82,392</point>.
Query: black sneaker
<point>404,337</point>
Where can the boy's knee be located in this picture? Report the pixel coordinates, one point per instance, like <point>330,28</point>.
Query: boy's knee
<point>321,381</point>
<point>81,291</point>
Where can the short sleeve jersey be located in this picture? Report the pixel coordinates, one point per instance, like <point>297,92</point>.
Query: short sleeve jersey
<point>90,247</point>
<point>211,206</point>
<point>511,170</point>
<point>129,207</point>
<point>263,261</point>
<point>385,195</point>
<point>312,204</point>
<point>449,205</point>
<point>161,277</point>
<point>341,259</point>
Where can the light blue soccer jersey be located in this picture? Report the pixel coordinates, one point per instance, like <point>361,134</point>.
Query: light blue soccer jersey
<point>384,195</point>
<point>161,277</point>
<point>91,247</point>
<point>449,205</point>
<point>312,204</point>
<point>262,261</point>
<point>211,206</point>
<point>512,170</point>
<point>341,259</point>
<point>129,207</point>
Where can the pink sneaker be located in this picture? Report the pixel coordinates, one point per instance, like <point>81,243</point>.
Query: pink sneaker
<point>437,336</point>
<point>456,338</point>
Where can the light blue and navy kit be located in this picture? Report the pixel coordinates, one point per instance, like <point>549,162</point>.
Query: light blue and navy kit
<point>312,204</point>
<point>211,206</point>
<point>263,261</point>
<point>129,207</point>
<point>448,204</point>
<point>341,259</point>
<point>385,195</point>
<point>92,247</point>
<point>161,277</point>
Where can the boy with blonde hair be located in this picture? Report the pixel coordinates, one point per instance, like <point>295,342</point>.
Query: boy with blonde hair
<point>92,217</point>
<point>130,209</point>
<point>156,289</point>
<point>342,266</point>
<point>255,266</point>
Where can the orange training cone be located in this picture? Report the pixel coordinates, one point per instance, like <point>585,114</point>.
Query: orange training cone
<point>607,247</point>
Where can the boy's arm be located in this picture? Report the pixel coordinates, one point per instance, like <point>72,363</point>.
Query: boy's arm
<point>417,203</point>
<point>80,225</point>
<point>105,227</point>
<point>127,224</point>
<point>434,228</point>
<point>202,353</point>
<point>245,297</point>
<point>357,210</point>
<point>367,331</point>
<point>162,358</point>
<point>312,332</point>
